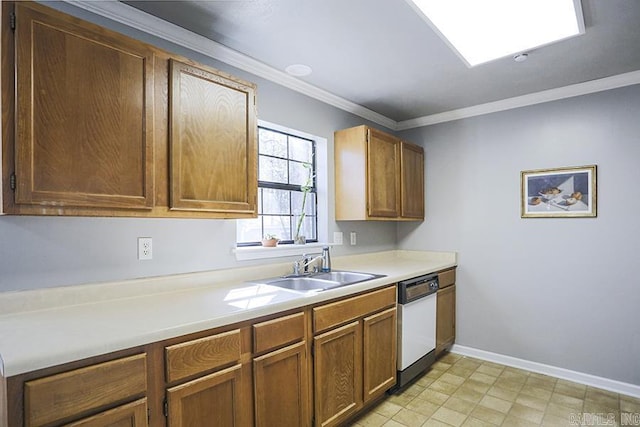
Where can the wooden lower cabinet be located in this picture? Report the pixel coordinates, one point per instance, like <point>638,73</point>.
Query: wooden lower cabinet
<point>379,373</point>
<point>445,318</point>
<point>281,389</point>
<point>338,374</point>
<point>131,415</point>
<point>354,354</point>
<point>258,373</point>
<point>208,380</point>
<point>78,394</point>
<point>213,400</point>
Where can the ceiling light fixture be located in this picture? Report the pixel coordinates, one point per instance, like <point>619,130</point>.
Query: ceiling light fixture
<point>298,70</point>
<point>481,31</point>
<point>521,57</point>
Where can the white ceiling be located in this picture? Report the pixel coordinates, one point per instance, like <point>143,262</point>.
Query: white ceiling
<point>381,55</point>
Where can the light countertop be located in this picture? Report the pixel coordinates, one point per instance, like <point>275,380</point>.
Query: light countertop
<point>48,327</point>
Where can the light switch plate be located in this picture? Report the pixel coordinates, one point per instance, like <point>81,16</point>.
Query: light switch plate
<point>353,238</point>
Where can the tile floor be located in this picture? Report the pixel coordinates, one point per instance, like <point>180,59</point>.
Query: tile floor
<point>463,391</point>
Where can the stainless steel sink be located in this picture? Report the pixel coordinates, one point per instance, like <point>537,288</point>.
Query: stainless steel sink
<point>303,283</point>
<point>320,281</point>
<point>346,277</point>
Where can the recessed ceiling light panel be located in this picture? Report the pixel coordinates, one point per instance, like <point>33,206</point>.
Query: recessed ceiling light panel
<point>481,31</point>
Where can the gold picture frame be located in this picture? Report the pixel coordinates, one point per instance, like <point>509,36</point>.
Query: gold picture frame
<point>567,192</point>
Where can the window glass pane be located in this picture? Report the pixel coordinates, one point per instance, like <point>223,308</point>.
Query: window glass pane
<point>282,163</point>
<point>274,170</point>
<point>300,149</point>
<point>276,201</point>
<point>272,143</point>
<point>249,230</point>
<point>300,173</point>
<point>309,205</point>
<point>278,225</point>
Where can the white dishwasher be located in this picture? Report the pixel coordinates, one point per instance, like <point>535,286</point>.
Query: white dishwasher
<point>416,327</point>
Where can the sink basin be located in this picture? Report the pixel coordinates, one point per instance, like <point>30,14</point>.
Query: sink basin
<point>304,283</point>
<point>320,281</point>
<point>346,277</point>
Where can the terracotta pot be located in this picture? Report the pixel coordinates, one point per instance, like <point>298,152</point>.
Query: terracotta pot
<point>270,243</point>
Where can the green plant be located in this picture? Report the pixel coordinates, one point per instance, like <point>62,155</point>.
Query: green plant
<point>305,188</point>
<point>269,236</point>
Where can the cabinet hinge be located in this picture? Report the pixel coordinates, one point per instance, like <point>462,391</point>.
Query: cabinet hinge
<point>12,21</point>
<point>165,408</point>
<point>12,181</point>
<point>148,415</point>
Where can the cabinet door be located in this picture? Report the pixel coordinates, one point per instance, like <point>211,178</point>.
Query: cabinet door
<point>212,142</point>
<point>446,318</point>
<point>213,400</point>
<point>281,388</point>
<point>383,175</point>
<point>379,373</point>
<point>338,374</point>
<point>412,182</point>
<point>131,415</point>
<point>84,114</point>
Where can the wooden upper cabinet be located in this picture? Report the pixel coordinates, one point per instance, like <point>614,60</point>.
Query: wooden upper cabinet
<point>213,146</point>
<point>84,135</point>
<point>412,182</point>
<point>95,123</point>
<point>378,176</point>
<point>383,174</point>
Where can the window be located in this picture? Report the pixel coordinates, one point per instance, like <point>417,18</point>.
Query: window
<point>286,168</point>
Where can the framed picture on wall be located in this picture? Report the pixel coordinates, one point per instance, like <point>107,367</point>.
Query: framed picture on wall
<point>558,193</point>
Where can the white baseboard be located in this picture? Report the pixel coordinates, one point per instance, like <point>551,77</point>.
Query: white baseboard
<point>566,374</point>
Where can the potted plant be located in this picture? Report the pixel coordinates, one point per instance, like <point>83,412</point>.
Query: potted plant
<point>270,240</point>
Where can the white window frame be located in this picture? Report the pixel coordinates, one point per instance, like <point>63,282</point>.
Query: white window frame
<point>322,172</point>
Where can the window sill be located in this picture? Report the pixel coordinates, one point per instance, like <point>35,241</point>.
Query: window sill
<point>261,252</point>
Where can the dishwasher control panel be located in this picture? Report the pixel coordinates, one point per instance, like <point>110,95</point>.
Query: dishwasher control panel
<point>416,288</point>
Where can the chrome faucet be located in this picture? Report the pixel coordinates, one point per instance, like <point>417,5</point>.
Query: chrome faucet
<point>304,262</point>
<point>301,265</point>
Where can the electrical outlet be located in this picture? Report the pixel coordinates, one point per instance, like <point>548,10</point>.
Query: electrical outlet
<point>145,248</point>
<point>337,237</point>
<point>353,238</point>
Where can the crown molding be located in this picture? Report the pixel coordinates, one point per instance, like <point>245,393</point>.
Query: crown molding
<point>599,85</point>
<point>137,19</point>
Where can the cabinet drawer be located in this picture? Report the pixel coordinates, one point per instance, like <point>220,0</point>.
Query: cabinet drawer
<point>131,415</point>
<point>333,314</point>
<point>193,357</point>
<point>446,278</point>
<point>83,390</point>
<point>278,332</point>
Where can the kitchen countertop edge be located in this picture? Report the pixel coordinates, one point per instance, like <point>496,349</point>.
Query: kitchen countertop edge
<point>115,321</point>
